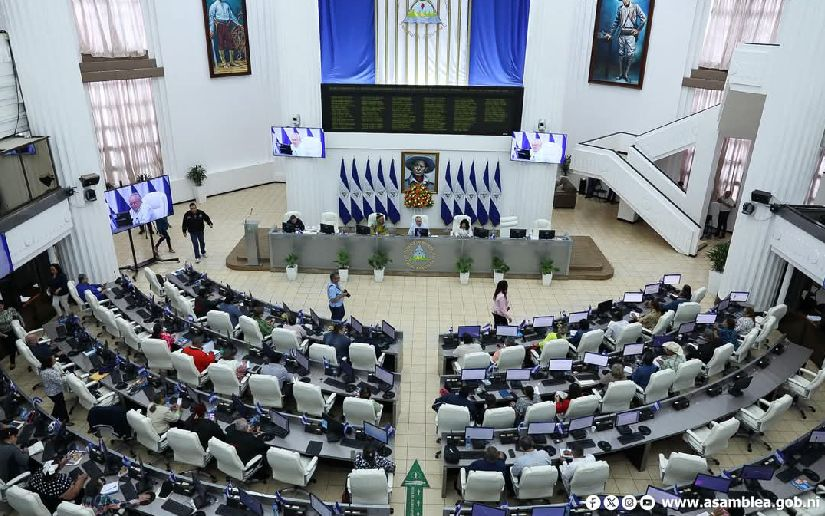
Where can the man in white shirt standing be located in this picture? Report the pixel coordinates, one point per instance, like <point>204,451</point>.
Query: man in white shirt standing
<point>726,204</point>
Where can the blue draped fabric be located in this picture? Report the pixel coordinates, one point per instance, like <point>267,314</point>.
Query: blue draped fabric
<point>5,257</point>
<point>498,42</point>
<point>347,41</point>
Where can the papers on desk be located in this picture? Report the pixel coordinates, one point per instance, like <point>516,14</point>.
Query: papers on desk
<point>36,448</point>
<point>74,458</point>
<point>209,346</point>
<point>110,488</point>
<point>96,377</point>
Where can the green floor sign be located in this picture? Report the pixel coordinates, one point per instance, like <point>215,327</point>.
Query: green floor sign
<point>415,482</point>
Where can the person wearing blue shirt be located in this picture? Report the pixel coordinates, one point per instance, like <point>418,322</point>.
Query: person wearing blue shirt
<point>83,285</point>
<point>339,341</point>
<point>641,376</point>
<point>683,297</point>
<point>228,305</point>
<point>727,332</point>
<point>336,297</point>
<point>460,399</point>
<point>493,460</point>
<point>583,328</point>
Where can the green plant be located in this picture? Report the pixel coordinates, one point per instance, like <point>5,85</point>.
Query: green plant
<point>343,259</point>
<point>291,260</point>
<point>196,174</point>
<point>547,266</point>
<point>718,255</point>
<point>464,264</point>
<point>379,260</point>
<point>499,265</point>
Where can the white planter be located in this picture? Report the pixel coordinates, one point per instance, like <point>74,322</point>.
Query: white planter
<point>497,276</point>
<point>546,279</point>
<point>200,194</point>
<point>343,274</point>
<point>464,277</point>
<point>714,280</point>
<point>379,275</point>
<point>292,273</point>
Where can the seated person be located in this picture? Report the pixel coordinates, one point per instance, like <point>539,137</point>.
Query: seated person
<point>530,456</point>
<point>203,304</point>
<point>339,341</point>
<point>651,317</point>
<point>581,328</point>
<point>494,461</point>
<point>158,333</point>
<point>365,394</point>
<point>83,285</point>
<point>615,374</point>
<point>418,225</point>
<point>106,504</point>
<point>371,460</point>
<point>463,230</point>
<point>161,416</point>
<point>277,370</point>
<point>524,402</point>
<point>113,416</point>
<point>745,323</point>
<point>683,297</point>
<point>461,399</point>
<point>727,332</point>
<point>563,399</point>
<point>13,460</point>
<point>202,359</point>
<point>467,346</point>
<point>240,435</point>
<point>294,224</point>
<point>379,227</point>
<point>551,335</point>
<point>228,305</point>
<point>291,323</point>
<point>614,327</point>
<point>40,350</point>
<point>54,487</point>
<point>704,351</point>
<point>203,426</point>
<point>571,462</point>
<point>641,376</point>
<point>263,324</point>
<point>674,357</point>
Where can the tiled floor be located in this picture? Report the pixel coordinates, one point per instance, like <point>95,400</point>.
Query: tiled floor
<point>422,307</point>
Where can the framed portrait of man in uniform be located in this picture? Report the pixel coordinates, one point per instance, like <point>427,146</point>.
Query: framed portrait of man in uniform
<point>420,167</point>
<point>227,39</point>
<point>620,39</point>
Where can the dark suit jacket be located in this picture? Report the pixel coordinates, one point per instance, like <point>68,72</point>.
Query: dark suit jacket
<point>206,429</point>
<point>246,444</point>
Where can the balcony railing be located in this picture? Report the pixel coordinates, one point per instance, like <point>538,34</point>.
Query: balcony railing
<point>26,172</point>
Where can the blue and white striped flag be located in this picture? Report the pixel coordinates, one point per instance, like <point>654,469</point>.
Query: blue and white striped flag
<point>483,193</point>
<point>447,197</point>
<point>470,194</point>
<point>343,195</point>
<point>368,192</point>
<point>355,194</point>
<point>380,190</point>
<point>392,195</point>
<point>495,195</point>
<point>458,191</point>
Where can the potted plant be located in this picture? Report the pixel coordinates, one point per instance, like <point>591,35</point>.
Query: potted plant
<point>378,261</point>
<point>717,255</point>
<point>291,266</point>
<point>343,264</point>
<point>547,269</point>
<point>197,174</point>
<point>499,269</point>
<point>463,265</point>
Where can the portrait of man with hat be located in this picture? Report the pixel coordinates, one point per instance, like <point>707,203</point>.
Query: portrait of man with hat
<point>421,168</point>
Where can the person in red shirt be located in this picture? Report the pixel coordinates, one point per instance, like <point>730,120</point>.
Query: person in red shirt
<point>202,359</point>
<point>563,403</point>
<point>158,333</point>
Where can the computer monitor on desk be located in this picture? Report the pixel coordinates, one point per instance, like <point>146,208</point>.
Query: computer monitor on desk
<point>472,331</point>
<point>317,505</point>
<point>817,437</point>
<point>503,330</point>
<point>576,317</point>
<point>596,359</point>
<point>479,433</point>
<point>279,420</point>
<point>686,328</point>
<point>708,318</point>
<point>580,423</point>
<point>559,365</point>
<point>327,229</point>
<point>739,297</point>
<point>385,376</point>
<point>541,428</point>
<point>633,297</point>
<point>421,232</point>
<point>544,321</point>
<point>388,330</point>
<point>547,234</point>
<point>481,232</point>
<point>625,419</point>
<point>712,483</point>
<point>661,496</point>
<point>486,510</point>
<point>362,230</point>
<point>374,432</point>
<point>651,289</point>
<point>356,325</point>
<point>605,306</point>
<point>631,350</point>
<point>518,375</point>
<point>549,511</point>
<point>518,233</point>
<point>672,279</point>
<point>473,375</point>
<point>756,472</point>
<point>723,305</point>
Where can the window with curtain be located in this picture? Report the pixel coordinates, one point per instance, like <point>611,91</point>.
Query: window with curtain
<point>738,21</point>
<point>110,28</point>
<point>733,164</point>
<point>702,99</point>
<point>126,129</point>
<point>817,179</point>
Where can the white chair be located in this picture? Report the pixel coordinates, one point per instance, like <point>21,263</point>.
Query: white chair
<point>109,321</point>
<point>145,433</point>
<point>589,343</point>
<point>761,416</point>
<point>21,332</point>
<point>28,356</point>
<point>680,468</point>
<point>535,482</point>
<point>357,411</point>
<point>225,380</point>
<point>85,397</point>
<point>372,217</point>
<point>26,502</point>
<point>220,322</point>
<point>663,324</point>
<point>589,478</point>
<point>768,326</point>
<point>132,336</point>
<point>187,448</point>
<point>266,390</point>
<point>284,340</point>
<point>290,213</point>
<point>699,295</point>
<point>154,285</point>
<point>187,372</point>
<point>157,354</point>
<point>552,350</point>
<point>452,418</point>
<point>627,335</point>
<point>478,360</point>
<point>229,463</point>
<point>538,225</point>
<point>331,218</point>
<point>742,353</point>
<point>658,387</point>
<point>505,224</point>
<point>481,486</point>
<point>718,361</point>
<point>617,396</point>
<point>309,400</point>
<point>20,479</point>
<point>290,467</point>
<point>582,406</point>
<point>319,352</point>
<point>362,357</point>
<point>70,509</point>
<point>778,312</point>
<point>511,357</point>
<point>369,487</point>
<point>542,411</point>
<point>82,305</point>
<point>686,375</point>
<point>710,440</point>
<point>457,222</point>
<point>501,417</point>
<point>251,331</point>
<point>685,312</point>
<point>803,385</point>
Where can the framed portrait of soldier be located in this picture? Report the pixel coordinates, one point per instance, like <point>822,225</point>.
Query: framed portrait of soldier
<point>227,38</point>
<point>621,35</point>
<point>420,167</point>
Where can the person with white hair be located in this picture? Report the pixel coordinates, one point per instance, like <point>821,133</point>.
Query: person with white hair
<point>240,435</point>
<point>674,356</point>
<point>140,211</point>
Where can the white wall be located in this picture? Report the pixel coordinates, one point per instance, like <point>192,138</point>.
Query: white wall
<point>39,233</point>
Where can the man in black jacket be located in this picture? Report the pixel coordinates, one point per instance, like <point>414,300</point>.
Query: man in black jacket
<point>461,399</point>
<point>248,445</point>
<point>193,221</point>
<point>205,428</point>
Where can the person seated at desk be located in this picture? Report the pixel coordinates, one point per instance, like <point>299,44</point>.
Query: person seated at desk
<point>379,227</point>
<point>615,326</point>
<point>615,374</point>
<point>339,341</point>
<point>294,224</point>
<point>13,460</point>
<point>83,285</point>
<point>651,317</point>
<point>204,427</point>
<point>54,487</point>
<point>467,346</point>
<point>161,416</point>
<point>107,504</point>
<point>113,416</point>
<point>240,435</point>
<point>576,458</point>
<point>703,351</point>
<point>745,323</point>
<point>263,324</point>
<point>158,333</point>
<point>365,394</point>
<point>291,323</point>
<point>582,327</point>
<point>461,399</point>
<point>493,461</point>
<point>524,402</point>
<point>202,359</point>
<point>530,456</point>
<point>463,230</point>
<point>674,357</point>
<point>40,350</point>
<point>203,304</point>
<point>228,305</point>
<point>641,376</point>
<point>277,370</point>
<point>551,335</point>
<point>418,225</point>
<point>683,297</point>
<point>371,460</point>
<point>727,332</point>
<point>563,398</point>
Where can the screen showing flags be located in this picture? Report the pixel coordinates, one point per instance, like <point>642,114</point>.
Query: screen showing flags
<point>304,142</point>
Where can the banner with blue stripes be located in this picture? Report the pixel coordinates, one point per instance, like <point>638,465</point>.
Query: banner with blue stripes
<point>5,257</point>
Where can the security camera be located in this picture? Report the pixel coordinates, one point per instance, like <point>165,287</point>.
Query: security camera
<point>89,180</point>
<point>541,126</point>
<point>296,120</point>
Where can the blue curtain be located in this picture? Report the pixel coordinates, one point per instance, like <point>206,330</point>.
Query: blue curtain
<point>5,257</point>
<point>347,41</point>
<point>498,42</point>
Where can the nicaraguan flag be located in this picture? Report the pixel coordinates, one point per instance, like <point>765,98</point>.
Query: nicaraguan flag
<point>381,191</point>
<point>495,195</point>
<point>458,191</point>
<point>447,197</point>
<point>355,195</point>
<point>392,196</point>
<point>368,192</point>
<point>483,194</point>
<point>470,194</point>
<point>343,195</point>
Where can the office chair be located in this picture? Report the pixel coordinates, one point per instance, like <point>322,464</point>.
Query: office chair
<point>288,214</point>
<point>535,482</point>
<point>187,449</point>
<point>552,349</point>
<point>357,411</point>
<point>309,400</point>
<point>330,218</point>
<point>540,412</point>
<point>157,354</point>
<point>719,361</point>
<point>686,312</point>
<point>26,502</point>
<point>85,397</point>
<point>699,295</point>
<point>225,379</point>
<point>617,396</point>
<point>132,336</point>
<point>290,467</point>
<point>501,417</point>
<point>662,325</point>
<point>362,357</point>
<point>505,224</point>
<point>109,321</point>
<point>658,387</point>
<point>145,432</point>
<point>251,332</point>
<point>627,335</point>
<point>82,305</point>
<point>768,326</point>
<point>16,481</point>
<point>589,478</point>
<point>319,352</point>
<point>266,391</point>
<point>220,322</point>
<point>743,352</point>
<point>185,368</point>
<point>451,418</point>
<point>370,486</point>
<point>481,486</point>
<point>803,385</point>
<point>457,223</point>
<point>778,312</point>
<point>582,406</point>
<point>589,343</point>
<point>71,509</point>
<point>680,468</point>
<point>686,375</point>
<point>477,360</point>
<point>230,464</point>
<point>511,357</point>
<point>761,416</point>
<point>154,285</point>
<point>711,439</point>
<point>538,225</point>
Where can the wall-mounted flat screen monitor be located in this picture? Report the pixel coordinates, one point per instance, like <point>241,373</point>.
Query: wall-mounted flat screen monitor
<point>307,142</point>
<point>536,147</point>
<point>139,203</point>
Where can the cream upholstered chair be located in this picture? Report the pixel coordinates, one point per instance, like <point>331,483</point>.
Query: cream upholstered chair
<point>451,418</point>
<point>70,509</point>
<point>511,357</point>
<point>82,305</point>
<point>768,326</point>
<point>741,354</point>
<point>290,467</point>
<point>658,387</point>
<point>589,478</point>
<point>266,390</point>
<point>627,335</point>
<point>457,221</point>
<point>478,360</point>
<point>505,224</point>
<point>230,463</point>
<point>617,396</point>
<point>26,502</point>
<point>225,379</point>
<point>85,396</point>
<point>803,385</point>
<point>284,340</point>
<point>251,332</point>
<point>716,364</point>
<point>589,343</point>
<point>109,321</point>
<point>362,357</point>
<point>699,295</point>
<point>157,354</point>
<point>709,440</point>
<point>330,218</point>
<point>761,416</point>
<point>357,411</point>
<point>319,352</point>
<point>680,468</point>
<point>501,417</point>
<point>685,312</point>
<point>132,335</point>
<point>187,372</point>
<point>535,482</point>
<point>309,400</point>
<point>540,412</point>
<point>552,350</point>
<point>145,432</point>
<point>481,486</point>
<point>538,225</point>
<point>289,214</point>
<point>779,311</point>
<point>369,486</point>
<point>582,406</point>
<point>686,375</point>
<point>220,322</point>
<point>187,448</point>
<point>154,285</point>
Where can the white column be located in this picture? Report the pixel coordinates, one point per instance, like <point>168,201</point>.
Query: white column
<point>786,283</point>
<point>786,148</point>
<point>44,40</point>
